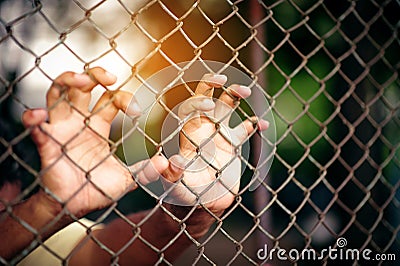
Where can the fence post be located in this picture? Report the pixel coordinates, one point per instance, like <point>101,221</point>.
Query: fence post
<point>261,196</point>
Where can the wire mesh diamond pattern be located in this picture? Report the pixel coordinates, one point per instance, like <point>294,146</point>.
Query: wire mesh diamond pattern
<point>328,69</point>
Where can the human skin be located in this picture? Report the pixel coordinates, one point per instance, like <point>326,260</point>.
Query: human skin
<point>77,165</point>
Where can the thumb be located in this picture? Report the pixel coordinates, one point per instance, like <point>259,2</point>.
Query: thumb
<point>148,171</point>
<point>177,165</point>
<point>33,119</point>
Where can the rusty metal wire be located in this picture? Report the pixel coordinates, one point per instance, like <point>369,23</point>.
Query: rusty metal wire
<point>329,70</point>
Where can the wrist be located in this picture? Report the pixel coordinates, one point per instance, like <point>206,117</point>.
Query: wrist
<point>33,218</point>
<point>46,204</point>
<point>49,210</point>
<point>197,219</point>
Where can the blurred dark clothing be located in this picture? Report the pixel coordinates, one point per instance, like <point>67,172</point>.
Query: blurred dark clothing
<point>11,170</point>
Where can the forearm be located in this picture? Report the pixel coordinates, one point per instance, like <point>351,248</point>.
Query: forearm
<point>159,230</point>
<point>26,221</point>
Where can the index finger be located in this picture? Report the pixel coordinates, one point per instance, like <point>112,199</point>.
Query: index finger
<point>77,88</point>
<point>208,82</point>
<point>80,95</point>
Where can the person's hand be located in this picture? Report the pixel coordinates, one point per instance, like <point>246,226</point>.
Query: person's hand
<point>209,148</point>
<point>78,165</point>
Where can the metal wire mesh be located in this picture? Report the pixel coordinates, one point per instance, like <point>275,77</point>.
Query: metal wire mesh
<point>329,70</point>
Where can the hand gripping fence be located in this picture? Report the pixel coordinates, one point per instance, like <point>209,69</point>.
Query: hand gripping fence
<point>325,74</point>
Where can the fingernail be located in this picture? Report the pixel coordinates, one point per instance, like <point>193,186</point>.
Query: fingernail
<point>82,78</point>
<point>39,112</point>
<point>215,79</point>
<point>110,75</point>
<point>263,125</point>
<point>242,91</point>
<point>174,168</point>
<point>177,164</point>
<point>133,109</point>
<point>207,104</point>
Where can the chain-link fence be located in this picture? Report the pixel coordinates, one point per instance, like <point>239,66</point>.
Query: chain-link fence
<point>328,69</point>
